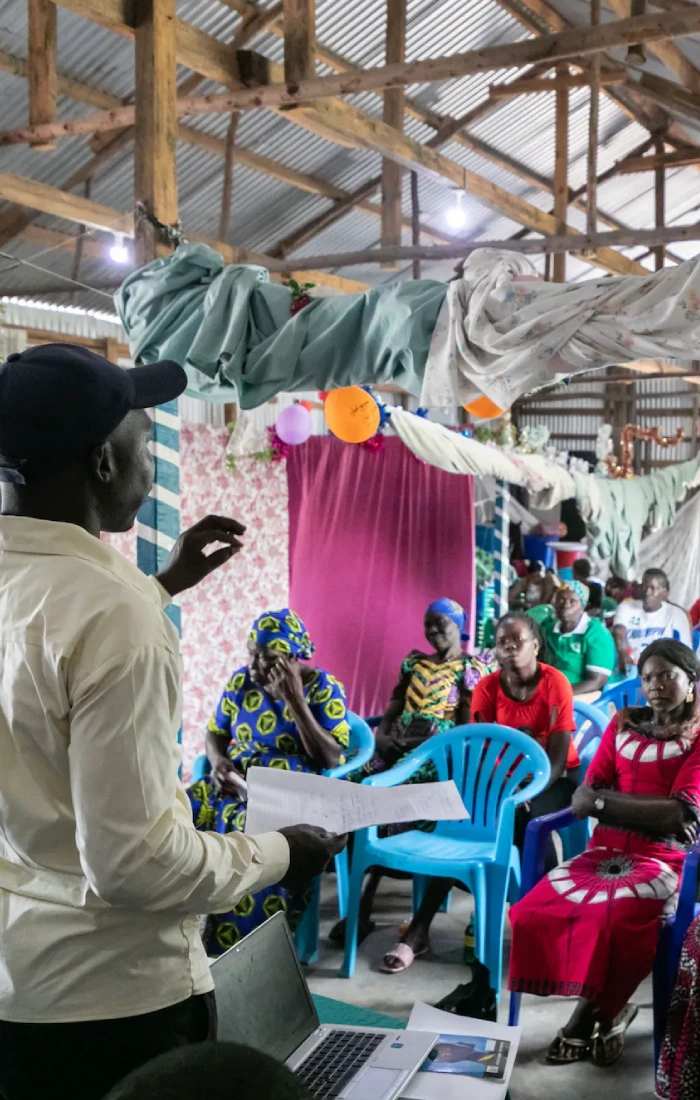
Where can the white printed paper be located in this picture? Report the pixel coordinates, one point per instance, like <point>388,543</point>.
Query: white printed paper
<point>277,799</point>
<point>432,1086</point>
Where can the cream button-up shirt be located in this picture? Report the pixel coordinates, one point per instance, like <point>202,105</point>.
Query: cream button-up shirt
<point>102,872</point>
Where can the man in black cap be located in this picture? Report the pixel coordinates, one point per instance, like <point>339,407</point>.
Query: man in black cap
<point>102,873</point>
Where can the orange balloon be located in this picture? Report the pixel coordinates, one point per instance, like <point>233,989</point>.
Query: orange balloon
<point>483,408</point>
<point>351,414</point>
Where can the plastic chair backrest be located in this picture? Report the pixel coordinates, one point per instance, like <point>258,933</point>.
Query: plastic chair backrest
<point>490,764</point>
<point>628,693</point>
<point>591,724</point>
<point>361,746</point>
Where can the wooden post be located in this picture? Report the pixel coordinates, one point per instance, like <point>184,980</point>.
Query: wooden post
<point>593,111</point>
<point>155,179</point>
<point>561,170</point>
<point>80,240</point>
<point>501,523</point>
<point>392,173</point>
<point>299,40</point>
<point>42,65</point>
<point>227,188</point>
<point>659,203</point>
<point>415,222</point>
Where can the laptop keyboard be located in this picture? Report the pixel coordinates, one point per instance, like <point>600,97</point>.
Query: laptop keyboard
<point>336,1060</point>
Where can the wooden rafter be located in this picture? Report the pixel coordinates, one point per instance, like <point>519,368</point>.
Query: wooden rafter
<point>668,94</point>
<point>561,168</point>
<point>155,173</point>
<point>667,52</point>
<point>227,186</point>
<point>299,40</point>
<point>593,113</point>
<point>677,159</point>
<point>392,173</point>
<point>578,243</point>
<point>540,85</point>
<point>42,64</point>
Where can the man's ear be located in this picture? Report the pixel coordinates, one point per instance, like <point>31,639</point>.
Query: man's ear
<point>101,462</point>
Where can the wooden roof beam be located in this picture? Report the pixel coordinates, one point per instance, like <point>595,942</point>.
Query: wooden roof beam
<point>393,115</point>
<point>540,85</point>
<point>41,39</point>
<point>677,159</point>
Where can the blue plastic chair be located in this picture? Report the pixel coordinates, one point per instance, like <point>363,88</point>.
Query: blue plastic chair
<point>360,750</point>
<point>626,693</point>
<point>495,768</point>
<point>673,933</point>
<point>591,724</point>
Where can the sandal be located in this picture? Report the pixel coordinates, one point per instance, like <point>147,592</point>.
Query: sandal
<point>607,1048</point>
<point>475,998</point>
<point>405,956</point>
<point>564,1050</point>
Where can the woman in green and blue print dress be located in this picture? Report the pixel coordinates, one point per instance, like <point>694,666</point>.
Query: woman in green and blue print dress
<point>274,713</point>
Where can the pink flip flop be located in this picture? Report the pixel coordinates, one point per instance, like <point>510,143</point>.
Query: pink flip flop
<point>404,954</point>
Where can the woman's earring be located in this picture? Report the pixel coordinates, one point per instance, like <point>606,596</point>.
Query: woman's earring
<point>690,696</point>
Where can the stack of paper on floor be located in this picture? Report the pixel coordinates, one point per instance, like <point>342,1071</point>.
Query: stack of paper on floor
<point>483,1073</point>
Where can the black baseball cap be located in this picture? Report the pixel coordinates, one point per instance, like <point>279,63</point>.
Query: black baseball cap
<point>59,400</point>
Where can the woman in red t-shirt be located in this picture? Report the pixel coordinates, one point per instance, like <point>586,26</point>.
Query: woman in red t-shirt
<point>537,699</point>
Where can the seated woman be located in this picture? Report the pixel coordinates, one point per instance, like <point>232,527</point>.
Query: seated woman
<point>529,696</point>
<point>579,646</point>
<point>678,1072</point>
<point>536,587</point>
<point>433,695</point>
<point>591,927</point>
<point>274,713</point>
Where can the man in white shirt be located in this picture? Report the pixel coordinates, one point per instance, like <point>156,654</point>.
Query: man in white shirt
<point>102,873</point>
<point>637,623</point>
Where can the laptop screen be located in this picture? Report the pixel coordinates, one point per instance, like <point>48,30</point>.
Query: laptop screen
<point>261,993</point>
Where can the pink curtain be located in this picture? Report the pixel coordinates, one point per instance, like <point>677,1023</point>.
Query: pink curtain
<point>373,539</point>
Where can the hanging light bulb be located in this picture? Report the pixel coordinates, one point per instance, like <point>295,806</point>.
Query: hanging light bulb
<point>119,252</point>
<point>456,216</point>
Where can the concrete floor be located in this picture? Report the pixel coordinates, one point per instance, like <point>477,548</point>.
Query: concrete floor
<point>435,975</point>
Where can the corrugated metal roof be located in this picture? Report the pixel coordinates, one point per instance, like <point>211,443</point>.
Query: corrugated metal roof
<point>266,209</point>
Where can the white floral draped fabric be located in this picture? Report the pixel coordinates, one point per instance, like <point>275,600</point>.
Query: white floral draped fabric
<point>503,332</point>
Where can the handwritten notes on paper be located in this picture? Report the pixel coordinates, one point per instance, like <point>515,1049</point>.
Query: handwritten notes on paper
<point>280,798</point>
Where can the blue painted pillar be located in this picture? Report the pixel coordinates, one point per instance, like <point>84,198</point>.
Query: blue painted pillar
<point>502,547</point>
<point>158,521</point>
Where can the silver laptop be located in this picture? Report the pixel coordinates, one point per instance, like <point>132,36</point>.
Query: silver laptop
<point>263,1000</point>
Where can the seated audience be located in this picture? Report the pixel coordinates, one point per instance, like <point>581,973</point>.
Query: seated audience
<point>639,622</point>
<point>590,928</point>
<point>536,587</point>
<point>578,645</point>
<point>274,713</point>
<point>678,1072</point>
<point>433,695</point>
<point>219,1071</point>
<point>536,699</point>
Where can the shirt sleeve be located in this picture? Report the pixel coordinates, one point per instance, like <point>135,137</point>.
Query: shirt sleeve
<point>134,831</point>
<point>603,767</point>
<point>483,707</point>
<point>328,704</point>
<point>687,785</point>
<point>682,625</point>
<point>599,649</point>
<point>622,614</point>
<point>562,697</point>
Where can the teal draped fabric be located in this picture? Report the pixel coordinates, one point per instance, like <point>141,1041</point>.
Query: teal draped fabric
<point>231,329</point>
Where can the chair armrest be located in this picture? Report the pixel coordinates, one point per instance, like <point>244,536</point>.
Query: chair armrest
<point>536,836</point>
<point>402,771</point>
<point>357,761</point>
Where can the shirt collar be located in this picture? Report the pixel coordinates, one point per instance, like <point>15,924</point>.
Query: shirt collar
<point>22,535</point>
<point>580,628</point>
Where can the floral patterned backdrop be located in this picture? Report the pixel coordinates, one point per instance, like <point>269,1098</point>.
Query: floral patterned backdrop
<point>218,614</point>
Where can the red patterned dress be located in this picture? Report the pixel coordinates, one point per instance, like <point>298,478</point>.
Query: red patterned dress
<point>591,927</point>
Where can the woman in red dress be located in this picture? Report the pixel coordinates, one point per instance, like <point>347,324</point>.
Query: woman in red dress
<point>590,928</point>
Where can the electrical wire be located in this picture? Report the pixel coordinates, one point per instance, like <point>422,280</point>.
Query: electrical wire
<point>17,262</point>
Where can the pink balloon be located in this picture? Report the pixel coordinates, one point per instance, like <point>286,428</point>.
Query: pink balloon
<point>294,424</point>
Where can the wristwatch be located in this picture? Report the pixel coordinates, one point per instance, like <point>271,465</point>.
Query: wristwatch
<point>599,804</point>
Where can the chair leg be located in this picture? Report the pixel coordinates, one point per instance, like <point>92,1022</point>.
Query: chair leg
<point>420,883</point>
<point>514,1009</point>
<point>352,919</point>
<point>306,935</point>
<point>496,889</point>
<point>478,888</point>
<point>342,875</point>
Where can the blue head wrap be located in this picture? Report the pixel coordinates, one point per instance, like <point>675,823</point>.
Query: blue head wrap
<point>454,611</point>
<point>284,632</point>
